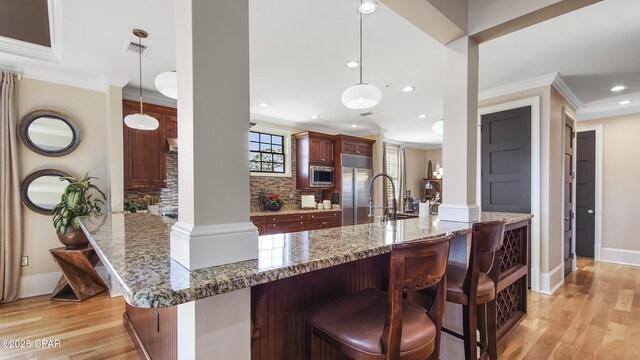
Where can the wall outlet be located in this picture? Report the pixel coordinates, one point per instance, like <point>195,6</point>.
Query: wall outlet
<point>25,261</point>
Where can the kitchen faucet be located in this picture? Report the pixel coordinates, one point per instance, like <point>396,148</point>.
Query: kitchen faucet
<point>394,210</point>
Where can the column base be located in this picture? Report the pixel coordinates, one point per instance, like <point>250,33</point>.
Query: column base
<point>459,213</point>
<point>197,247</point>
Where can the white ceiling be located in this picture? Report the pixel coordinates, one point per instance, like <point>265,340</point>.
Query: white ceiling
<point>299,49</point>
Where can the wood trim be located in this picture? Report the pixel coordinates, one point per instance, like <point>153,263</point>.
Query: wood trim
<point>354,138</point>
<point>135,337</point>
<point>150,107</point>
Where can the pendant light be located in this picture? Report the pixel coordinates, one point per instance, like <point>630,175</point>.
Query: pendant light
<point>141,121</point>
<point>438,127</point>
<point>361,95</point>
<point>167,84</point>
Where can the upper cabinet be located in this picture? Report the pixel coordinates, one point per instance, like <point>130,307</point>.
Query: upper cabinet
<point>321,150</point>
<point>145,152</point>
<point>355,146</point>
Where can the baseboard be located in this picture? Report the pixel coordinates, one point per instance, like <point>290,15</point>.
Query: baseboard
<point>620,256</point>
<point>38,284</point>
<point>551,281</point>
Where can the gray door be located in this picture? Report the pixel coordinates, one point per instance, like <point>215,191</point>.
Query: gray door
<point>348,206</point>
<point>506,161</point>
<point>585,193</point>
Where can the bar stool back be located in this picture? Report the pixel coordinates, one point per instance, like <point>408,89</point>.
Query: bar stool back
<point>372,324</point>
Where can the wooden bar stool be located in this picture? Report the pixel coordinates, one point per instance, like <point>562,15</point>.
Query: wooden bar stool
<point>475,288</point>
<point>373,324</point>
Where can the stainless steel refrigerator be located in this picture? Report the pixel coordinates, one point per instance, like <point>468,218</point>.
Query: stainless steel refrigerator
<point>355,174</point>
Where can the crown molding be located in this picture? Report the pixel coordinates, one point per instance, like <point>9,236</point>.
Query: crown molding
<point>539,81</point>
<point>151,97</point>
<point>586,114</point>
<point>565,90</point>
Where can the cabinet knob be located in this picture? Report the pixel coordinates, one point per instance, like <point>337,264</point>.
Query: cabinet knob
<point>273,225</point>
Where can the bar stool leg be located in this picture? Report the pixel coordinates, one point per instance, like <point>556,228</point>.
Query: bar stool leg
<point>482,326</point>
<point>469,323</point>
<point>492,329</point>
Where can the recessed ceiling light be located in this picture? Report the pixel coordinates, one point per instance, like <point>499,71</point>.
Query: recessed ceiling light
<point>353,64</point>
<point>314,116</point>
<point>408,88</point>
<point>263,104</point>
<point>624,102</point>
<point>422,116</point>
<point>354,126</point>
<point>367,7</point>
<point>618,88</point>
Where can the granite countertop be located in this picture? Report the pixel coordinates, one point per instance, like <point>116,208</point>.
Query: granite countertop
<point>292,211</point>
<point>135,249</point>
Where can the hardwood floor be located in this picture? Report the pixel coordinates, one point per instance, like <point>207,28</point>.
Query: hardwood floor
<point>88,330</point>
<point>594,315</point>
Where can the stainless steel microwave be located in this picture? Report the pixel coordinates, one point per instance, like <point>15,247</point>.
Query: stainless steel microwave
<point>321,176</point>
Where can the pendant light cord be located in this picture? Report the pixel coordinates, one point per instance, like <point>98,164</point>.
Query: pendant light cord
<point>361,62</point>
<point>140,70</point>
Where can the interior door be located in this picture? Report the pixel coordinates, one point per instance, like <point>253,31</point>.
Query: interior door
<point>585,193</point>
<point>506,161</point>
<point>348,207</point>
<point>568,194</point>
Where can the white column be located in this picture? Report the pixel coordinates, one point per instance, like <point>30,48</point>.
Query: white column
<point>212,44</point>
<point>460,131</point>
<point>116,153</point>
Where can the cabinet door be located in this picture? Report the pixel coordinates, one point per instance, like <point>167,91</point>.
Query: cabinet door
<point>327,150</point>
<point>165,342</point>
<point>284,228</point>
<point>316,150</point>
<point>145,160</point>
<point>172,125</point>
<point>349,147</point>
<point>364,149</point>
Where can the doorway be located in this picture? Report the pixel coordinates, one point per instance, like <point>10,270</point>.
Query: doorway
<point>568,194</point>
<point>586,194</point>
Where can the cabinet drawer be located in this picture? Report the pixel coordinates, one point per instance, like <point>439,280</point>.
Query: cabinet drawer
<point>279,219</point>
<point>324,215</point>
<point>258,220</point>
<point>285,228</point>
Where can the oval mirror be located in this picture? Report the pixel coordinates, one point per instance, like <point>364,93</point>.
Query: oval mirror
<point>49,133</point>
<point>42,190</point>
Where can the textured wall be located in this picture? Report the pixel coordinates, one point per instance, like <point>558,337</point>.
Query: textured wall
<point>285,186</point>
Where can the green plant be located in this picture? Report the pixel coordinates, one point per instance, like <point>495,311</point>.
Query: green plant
<point>77,200</point>
<point>131,206</point>
<point>269,199</point>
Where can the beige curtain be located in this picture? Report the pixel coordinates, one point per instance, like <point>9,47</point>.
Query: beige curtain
<point>402,177</point>
<point>385,196</point>
<point>10,208</point>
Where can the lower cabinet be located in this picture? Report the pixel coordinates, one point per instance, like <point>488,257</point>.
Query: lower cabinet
<point>154,332</point>
<point>281,224</point>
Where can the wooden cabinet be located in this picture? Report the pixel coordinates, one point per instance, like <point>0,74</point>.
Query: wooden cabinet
<point>321,151</point>
<point>145,158</point>
<point>431,187</point>
<point>359,147</point>
<point>154,332</point>
<point>312,148</point>
<point>282,224</point>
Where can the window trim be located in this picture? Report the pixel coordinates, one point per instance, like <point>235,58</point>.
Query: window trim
<point>286,147</point>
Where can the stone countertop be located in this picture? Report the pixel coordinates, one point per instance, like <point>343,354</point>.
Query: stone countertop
<point>292,212</point>
<point>135,249</point>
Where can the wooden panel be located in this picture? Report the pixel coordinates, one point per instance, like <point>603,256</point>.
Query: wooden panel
<point>278,307</point>
<point>79,280</point>
<point>279,219</point>
<point>284,228</point>
<point>171,121</point>
<point>145,160</point>
<point>324,215</point>
<point>154,331</point>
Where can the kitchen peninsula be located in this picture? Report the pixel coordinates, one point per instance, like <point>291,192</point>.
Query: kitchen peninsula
<point>328,262</point>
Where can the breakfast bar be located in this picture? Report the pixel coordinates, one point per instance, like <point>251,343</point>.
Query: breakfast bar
<point>293,273</point>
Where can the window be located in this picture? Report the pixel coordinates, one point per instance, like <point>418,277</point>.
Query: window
<point>391,168</point>
<point>268,153</point>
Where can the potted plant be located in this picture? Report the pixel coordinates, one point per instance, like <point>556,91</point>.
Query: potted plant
<point>77,200</point>
<point>271,202</point>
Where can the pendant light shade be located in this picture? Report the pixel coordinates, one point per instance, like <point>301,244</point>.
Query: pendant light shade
<point>361,96</point>
<point>141,121</point>
<point>167,84</point>
<point>438,127</point>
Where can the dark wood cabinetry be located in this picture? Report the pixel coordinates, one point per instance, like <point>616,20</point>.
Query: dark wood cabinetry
<point>312,149</point>
<point>281,224</point>
<point>353,146</point>
<point>145,160</point>
<point>154,332</point>
<point>321,151</point>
